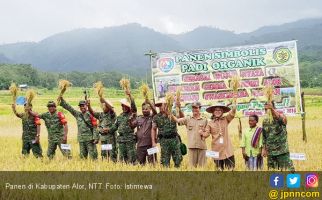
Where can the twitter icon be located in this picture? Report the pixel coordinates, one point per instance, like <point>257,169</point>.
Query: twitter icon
<point>293,180</point>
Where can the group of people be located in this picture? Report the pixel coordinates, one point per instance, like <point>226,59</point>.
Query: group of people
<point>131,135</point>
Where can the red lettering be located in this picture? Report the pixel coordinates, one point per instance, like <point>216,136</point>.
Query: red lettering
<point>196,77</point>
<point>224,74</point>
<point>250,83</point>
<point>190,97</point>
<point>224,95</point>
<point>260,93</point>
<point>273,82</point>
<point>185,88</point>
<point>250,73</point>
<point>252,112</point>
<point>214,85</point>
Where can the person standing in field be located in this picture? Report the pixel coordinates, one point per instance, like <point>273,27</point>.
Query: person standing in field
<point>218,129</point>
<point>161,89</point>
<point>87,135</point>
<point>106,120</point>
<point>30,131</point>
<point>143,123</point>
<point>126,138</point>
<point>165,129</point>
<point>57,129</point>
<point>275,145</point>
<point>251,144</point>
<point>196,141</point>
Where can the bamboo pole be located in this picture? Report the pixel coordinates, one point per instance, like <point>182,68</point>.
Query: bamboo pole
<point>303,115</point>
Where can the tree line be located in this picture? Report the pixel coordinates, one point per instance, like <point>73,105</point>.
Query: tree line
<point>310,76</point>
<point>26,74</point>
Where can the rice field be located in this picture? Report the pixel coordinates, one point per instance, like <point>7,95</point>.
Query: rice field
<point>11,130</point>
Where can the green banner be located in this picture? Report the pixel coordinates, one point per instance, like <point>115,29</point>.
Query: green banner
<point>204,76</point>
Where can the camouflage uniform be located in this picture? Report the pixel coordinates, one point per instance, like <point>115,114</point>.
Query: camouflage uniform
<point>29,132</point>
<point>169,141</point>
<point>106,120</point>
<point>87,133</point>
<point>126,138</point>
<point>55,127</point>
<point>275,141</point>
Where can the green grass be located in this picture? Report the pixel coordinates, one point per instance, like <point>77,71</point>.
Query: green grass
<point>312,91</point>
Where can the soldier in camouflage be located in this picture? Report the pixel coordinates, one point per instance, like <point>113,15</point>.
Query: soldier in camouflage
<point>126,138</point>
<point>106,121</point>
<point>30,132</point>
<point>167,135</point>
<point>57,129</point>
<point>87,135</point>
<point>275,141</point>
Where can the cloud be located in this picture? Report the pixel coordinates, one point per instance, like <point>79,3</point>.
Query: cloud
<point>33,20</point>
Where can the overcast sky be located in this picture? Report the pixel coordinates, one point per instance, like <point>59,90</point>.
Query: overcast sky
<point>34,20</point>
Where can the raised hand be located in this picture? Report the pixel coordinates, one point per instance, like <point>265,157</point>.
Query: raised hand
<point>128,92</point>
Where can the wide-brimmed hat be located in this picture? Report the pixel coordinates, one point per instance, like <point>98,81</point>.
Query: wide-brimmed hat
<point>160,102</point>
<point>109,102</point>
<point>211,109</point>
<point>125,102</point>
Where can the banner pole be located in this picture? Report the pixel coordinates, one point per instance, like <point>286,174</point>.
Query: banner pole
<point>303,115</point>
<point>302,104</point>
<point>151,55</point>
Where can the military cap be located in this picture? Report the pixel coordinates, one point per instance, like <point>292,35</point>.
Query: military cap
<point>82,103</point>
<point>51,104</point>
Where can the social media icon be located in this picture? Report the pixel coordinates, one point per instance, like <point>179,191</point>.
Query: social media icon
<point>293,180</point>
<point>276,180</point>
<point>312,180</point>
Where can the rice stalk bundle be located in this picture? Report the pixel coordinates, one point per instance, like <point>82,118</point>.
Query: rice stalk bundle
<point>269,94</point>
<point>235,83</point>
<point>62,86</point>
<point>178,99</point>
<point>30,95</point>
<point>125,84</point>
<point>145,90</point>
<point>99,87</point>
<point>169,99</point>
<point>14,91</point>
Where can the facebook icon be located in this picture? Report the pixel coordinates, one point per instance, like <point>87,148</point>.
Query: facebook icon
<point>276,180</point>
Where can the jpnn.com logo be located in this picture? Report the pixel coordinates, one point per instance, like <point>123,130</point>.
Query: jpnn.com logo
<point>276,180</point>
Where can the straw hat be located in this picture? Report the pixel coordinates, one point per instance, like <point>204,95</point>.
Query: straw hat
<point>109,102</point>
<point>160,102</point>
<point>211,109</point>
<point>125,102</point>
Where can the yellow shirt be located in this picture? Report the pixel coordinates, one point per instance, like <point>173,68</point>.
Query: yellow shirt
<point>247,139</point>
